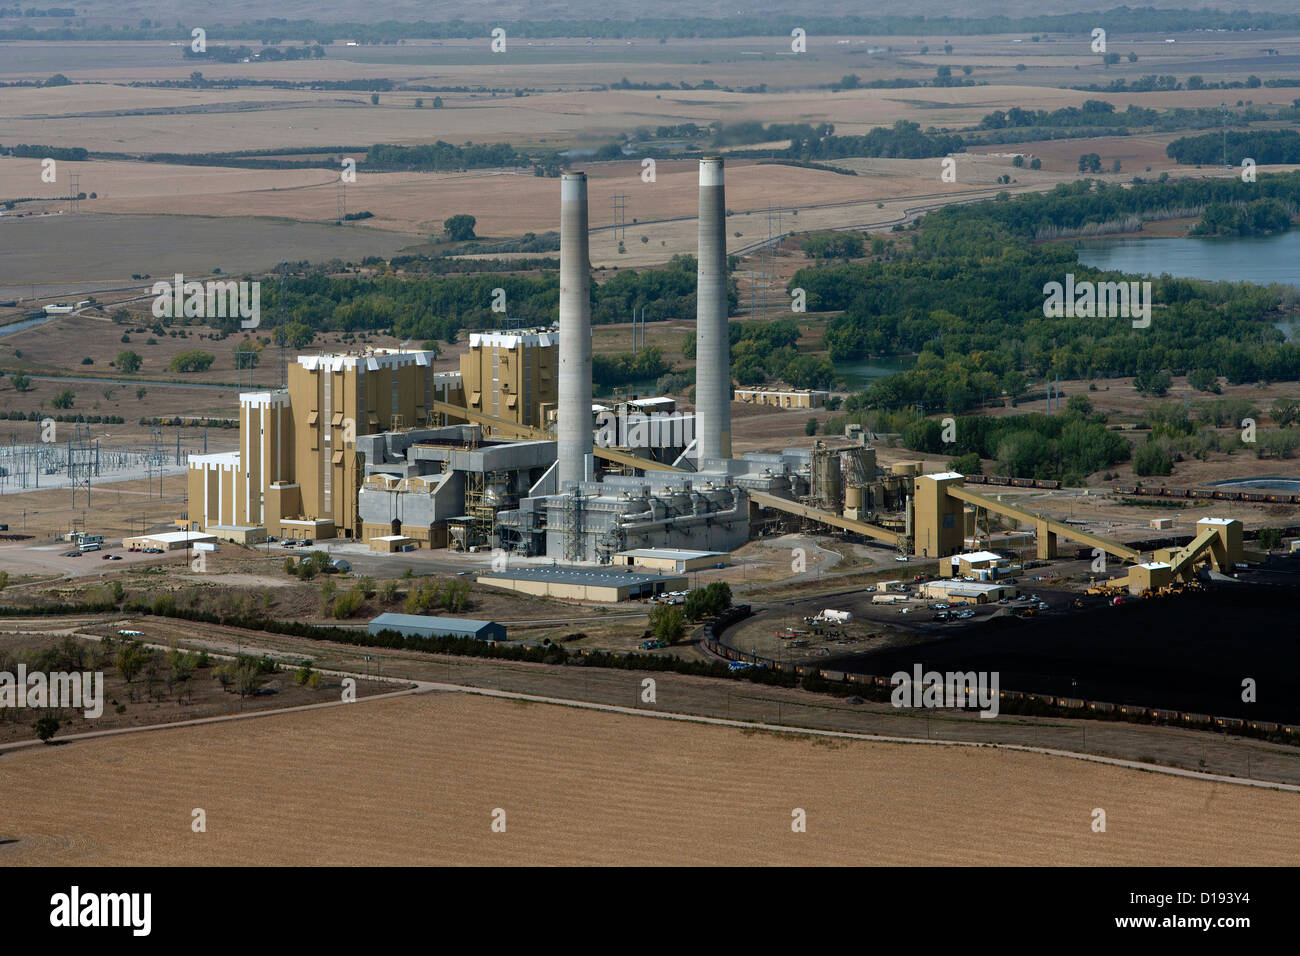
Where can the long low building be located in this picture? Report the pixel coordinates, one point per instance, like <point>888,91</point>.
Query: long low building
<point>169,540</point>
<point>967,592</point>
<point>425,625</point>
<point>584,584</point>
<point>671,559</point>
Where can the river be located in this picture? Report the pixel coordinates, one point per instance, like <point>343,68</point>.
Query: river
<point>1259,259</point>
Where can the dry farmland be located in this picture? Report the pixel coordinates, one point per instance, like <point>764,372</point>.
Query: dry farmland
<point>415,781</point>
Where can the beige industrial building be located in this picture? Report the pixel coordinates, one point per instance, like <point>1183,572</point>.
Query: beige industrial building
<point>169,540</point>
<point>671,559</point>
<point>972,562</point>
<point>1149,576</point>
<point>584,584</point>
<point>512,375</point>
<point>968,592</point>
<point>783,398</point>
<point>297,472</point>
<point>939,526</point>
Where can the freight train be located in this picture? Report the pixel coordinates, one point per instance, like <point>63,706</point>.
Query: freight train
<point>1072,705</point>
<point>1012,482</point>
<point>1214,494</point>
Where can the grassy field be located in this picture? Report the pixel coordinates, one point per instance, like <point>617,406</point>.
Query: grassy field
<point>371,785</point>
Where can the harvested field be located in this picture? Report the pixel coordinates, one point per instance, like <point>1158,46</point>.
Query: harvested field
<point>109,249</point>
<point>374,785</point>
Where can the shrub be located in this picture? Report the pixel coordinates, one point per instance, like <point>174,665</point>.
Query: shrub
<point>47,727</point>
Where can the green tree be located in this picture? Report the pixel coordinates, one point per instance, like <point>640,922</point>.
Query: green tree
<point>1151,459</point>
<point>1285,411</point>
<point>460,227</point>
<point>1079,405</point>
<point>191,360</point>
<point>667,623</point>
<point>456,597</point>
<point>348,603</point>
<point>1152,382</point>
<point>967,464</point>
<point>131,659</point>
<point>247,680</point>
<point>64,399</point>
<point>374,99</point>
<point>810,427</point>
<point>21,382</point>
<point>47,727</point>
<point>128,362</point>
<point>1270,538</point>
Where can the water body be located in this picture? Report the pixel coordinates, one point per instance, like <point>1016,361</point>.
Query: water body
<point>1267,483</point>
<point>13,327</point>
<point>1259,259</point>
<point>861,373</point>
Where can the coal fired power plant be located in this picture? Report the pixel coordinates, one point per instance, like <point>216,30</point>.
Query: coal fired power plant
<point>513,453</point>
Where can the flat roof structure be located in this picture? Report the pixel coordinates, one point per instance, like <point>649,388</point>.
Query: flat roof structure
<point>973,557</point>
<point>584,584</point>
<point>672,559</point>
<point>978,592</point>
<point>168,540</point>
<point>425,625</point>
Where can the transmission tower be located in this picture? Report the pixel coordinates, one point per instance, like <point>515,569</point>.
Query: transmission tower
<point>154,459</point>
<point>341,202</point>
<point>620,217</point>
<point>81,461</point>
<point>74,205</point>
<point>244,359</point>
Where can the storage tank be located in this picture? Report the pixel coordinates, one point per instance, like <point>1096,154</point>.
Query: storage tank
<point>833,494</point>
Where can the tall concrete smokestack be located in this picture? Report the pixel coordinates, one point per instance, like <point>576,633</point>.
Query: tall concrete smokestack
<point>574,438</point>
<point>712,343</point>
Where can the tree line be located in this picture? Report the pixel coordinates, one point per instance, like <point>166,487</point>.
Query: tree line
<point>1265,146</point>
<point>1118,20</point>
